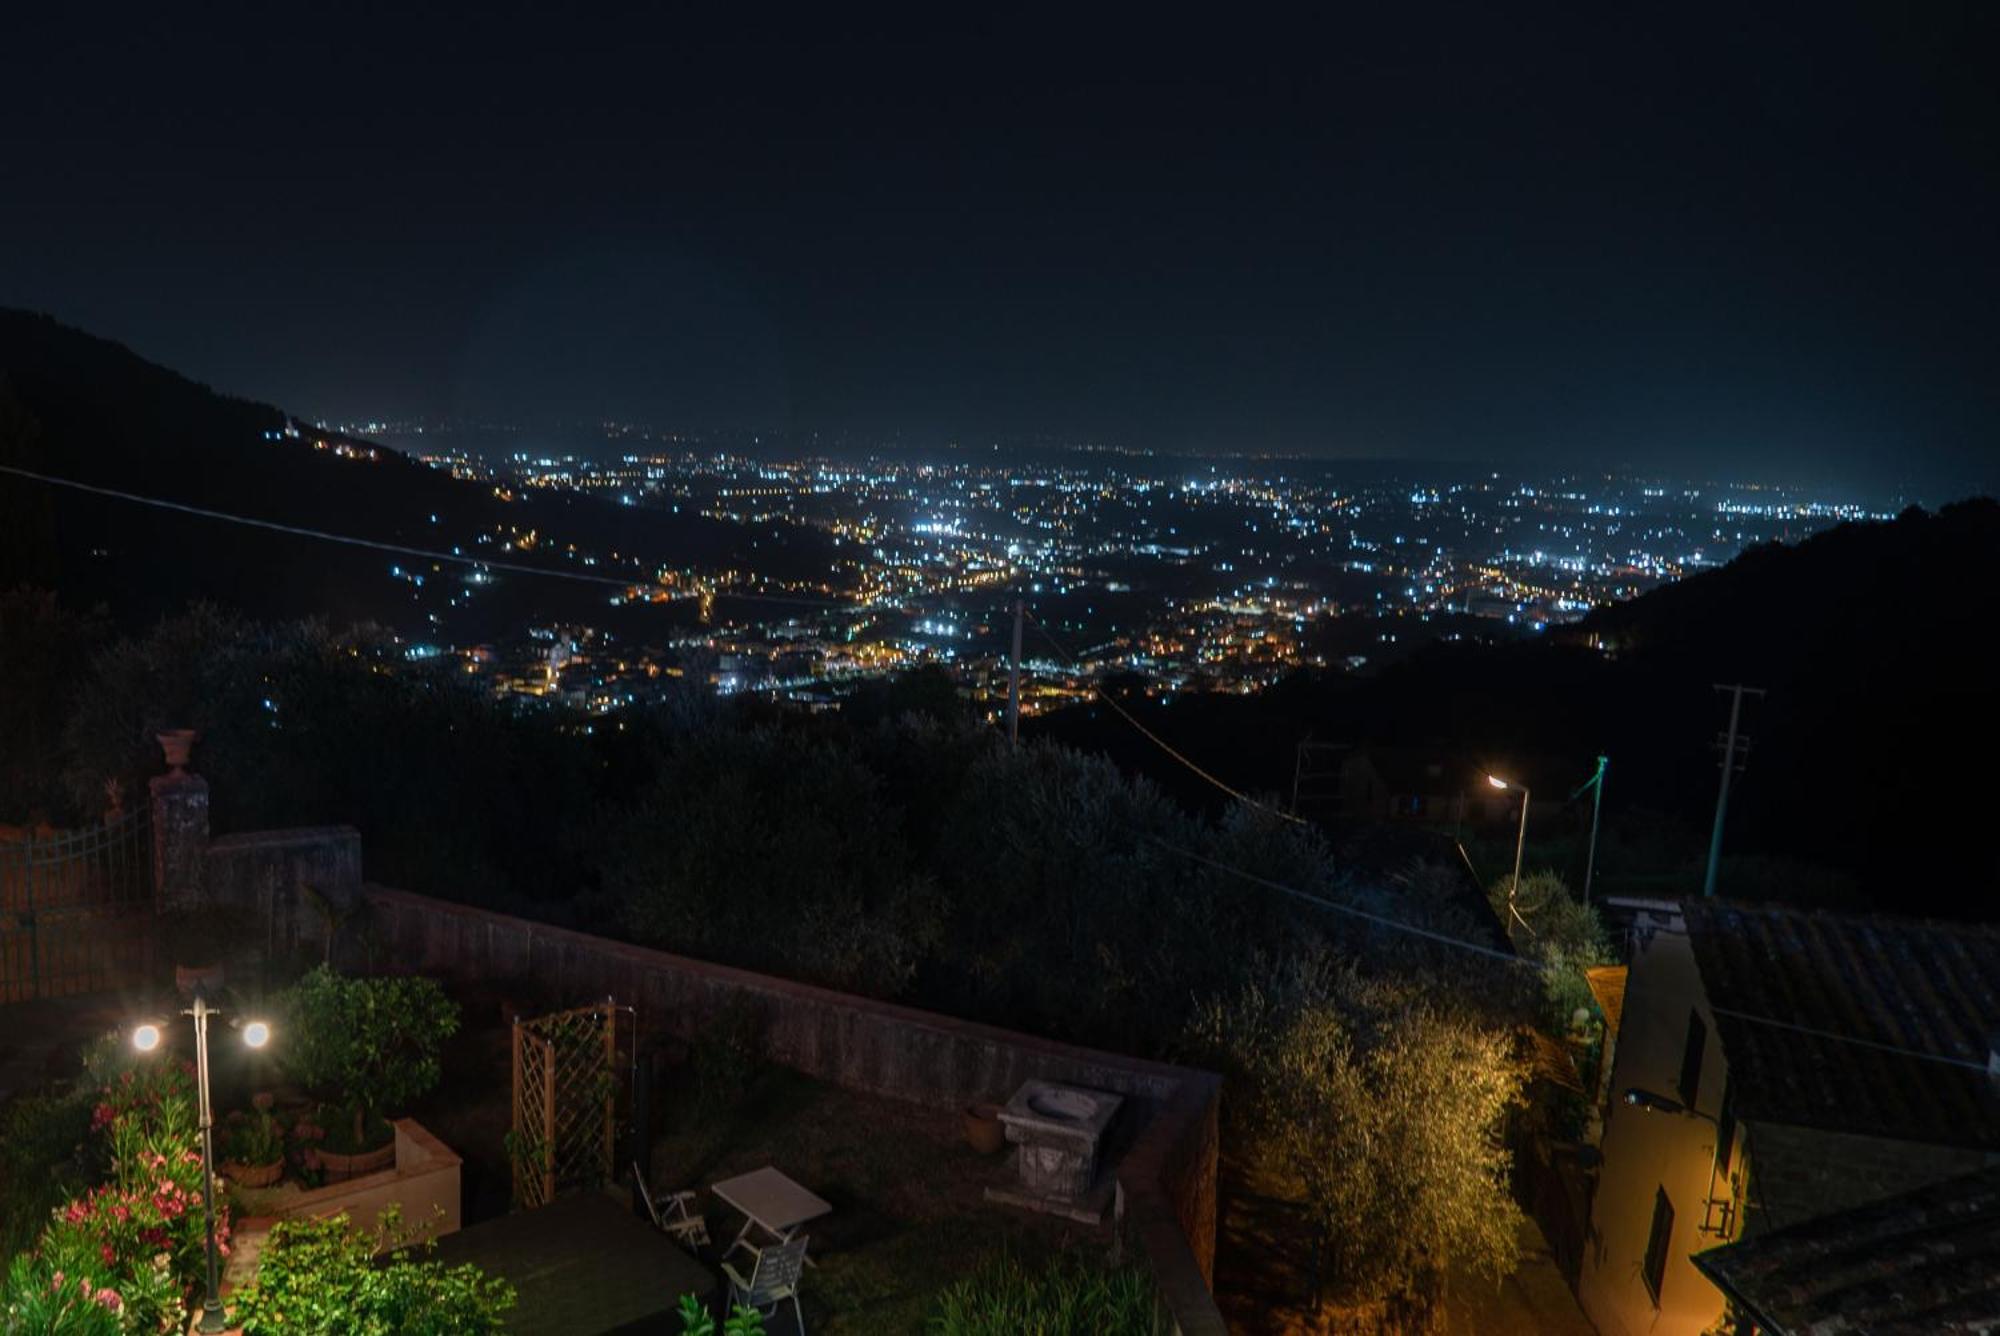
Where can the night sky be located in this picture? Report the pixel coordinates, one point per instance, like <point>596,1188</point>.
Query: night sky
<point>1684,239</point>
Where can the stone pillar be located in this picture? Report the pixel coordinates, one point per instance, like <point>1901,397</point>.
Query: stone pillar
<point>180,840</point>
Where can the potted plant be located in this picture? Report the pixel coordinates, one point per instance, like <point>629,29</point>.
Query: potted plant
<point>370,1047</point>
<point>253,1149</point>
<point>983,1130</point>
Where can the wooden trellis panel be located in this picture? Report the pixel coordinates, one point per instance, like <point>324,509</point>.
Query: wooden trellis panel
<point>566,1088</point>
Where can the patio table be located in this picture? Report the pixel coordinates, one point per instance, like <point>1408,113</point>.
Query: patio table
<point>771,1202</point>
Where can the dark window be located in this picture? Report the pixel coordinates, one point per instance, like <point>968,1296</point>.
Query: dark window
<point>1725,1132</point>
<point>1657,1244</point>
<point>1697,1042</point>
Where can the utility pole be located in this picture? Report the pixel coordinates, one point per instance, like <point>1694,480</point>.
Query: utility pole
<point>1733,746</point>
<point>1596,786</point>
<point>1014,679</point>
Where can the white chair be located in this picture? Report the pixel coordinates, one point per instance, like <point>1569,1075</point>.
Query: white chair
<point>671,1214</point>
<point>774,1280</point>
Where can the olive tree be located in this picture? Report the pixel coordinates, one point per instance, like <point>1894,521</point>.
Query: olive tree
<point>1384,1112</point>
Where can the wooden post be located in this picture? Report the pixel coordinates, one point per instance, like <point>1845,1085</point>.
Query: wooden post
<point>519,1196</point>
<point>548,1122</point>
<point>610,1086</point>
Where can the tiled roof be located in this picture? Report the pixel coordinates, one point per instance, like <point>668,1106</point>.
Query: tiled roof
<point>1924,1262</point>
<point>1607,986</point>
<point>1929,988</point>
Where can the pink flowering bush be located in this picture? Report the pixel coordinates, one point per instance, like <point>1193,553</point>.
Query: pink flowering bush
<point>42,1297</point>
<point>122,1257</point>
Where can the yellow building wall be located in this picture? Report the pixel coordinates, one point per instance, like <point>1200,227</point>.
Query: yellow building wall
<point>1645,1151</point>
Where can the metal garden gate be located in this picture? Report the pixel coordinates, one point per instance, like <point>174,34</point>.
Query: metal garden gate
<point>76,909</point>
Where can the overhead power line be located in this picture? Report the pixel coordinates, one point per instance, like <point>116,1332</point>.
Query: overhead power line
<point>1381,920</point>
<point>1398,925</point>
<point>1849,1039</point>
<point>396,549</point>
<point>1154,738</point>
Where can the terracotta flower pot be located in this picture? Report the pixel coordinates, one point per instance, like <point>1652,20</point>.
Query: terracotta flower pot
<point>178,746</point>
<point>253,1175</point>
<point>983,1131</point>
<point>340,1166</point>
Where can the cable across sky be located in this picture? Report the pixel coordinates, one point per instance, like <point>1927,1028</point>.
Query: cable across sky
<point>397,549</point>
<point>1149,734</point>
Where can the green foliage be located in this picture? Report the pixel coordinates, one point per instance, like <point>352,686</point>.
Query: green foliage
<point>45,1159</point>
<point>1385,1111</point>
<point>294,722</point>
<point>773,850</point>
<point>41,645</point>
<point>372,1042</point>
<point>695,1320</point>
<point>1067,1297</point>
<point>698,1321</point>
<point>319,1277</point>
<point>743,1322</point>
<point>41,1298</point>
<point>253,1138</point>
<point>122,1254</point>
<point>1564,936</point>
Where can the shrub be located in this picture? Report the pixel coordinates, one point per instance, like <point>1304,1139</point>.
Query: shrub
<point>1386,1112</point>
<point>320,1277</point>
<point>698,1321</point>
<point>254,1138</point>
<point>372,1043</point>
<point>40,1296</point>
<point>772,851</point>
<point>45,1159</point>
<point>1561,934</point>
<point>1067,1297</point>
<point>127,1251</point>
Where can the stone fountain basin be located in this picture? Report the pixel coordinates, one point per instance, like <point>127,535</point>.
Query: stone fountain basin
<point>1044,1111</point>
<point>1068,1105</point>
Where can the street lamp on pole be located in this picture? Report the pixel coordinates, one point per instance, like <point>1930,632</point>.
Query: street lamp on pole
<point>255,1034</point>
<point>1521,838</point>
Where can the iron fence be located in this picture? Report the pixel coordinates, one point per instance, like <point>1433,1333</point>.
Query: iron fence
<point>75,909</point>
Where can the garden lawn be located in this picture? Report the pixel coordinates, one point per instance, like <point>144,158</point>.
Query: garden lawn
<point>909,1215</point>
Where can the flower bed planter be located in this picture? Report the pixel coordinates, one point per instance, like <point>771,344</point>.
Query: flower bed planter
<point>421,1176</point>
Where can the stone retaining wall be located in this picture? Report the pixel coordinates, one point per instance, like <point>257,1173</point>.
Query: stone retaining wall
<point>303,882</point>
<point>1167,1173</point>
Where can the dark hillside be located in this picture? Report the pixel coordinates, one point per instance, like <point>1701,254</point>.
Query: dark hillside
<point>1871,757</point>
<point>80,407</point>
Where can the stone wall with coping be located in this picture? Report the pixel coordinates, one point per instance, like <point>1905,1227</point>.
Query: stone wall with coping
<point>293,879</point>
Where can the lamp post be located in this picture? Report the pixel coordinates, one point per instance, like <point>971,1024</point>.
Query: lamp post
<point>1520,839</point>
<point>256,1034</point>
